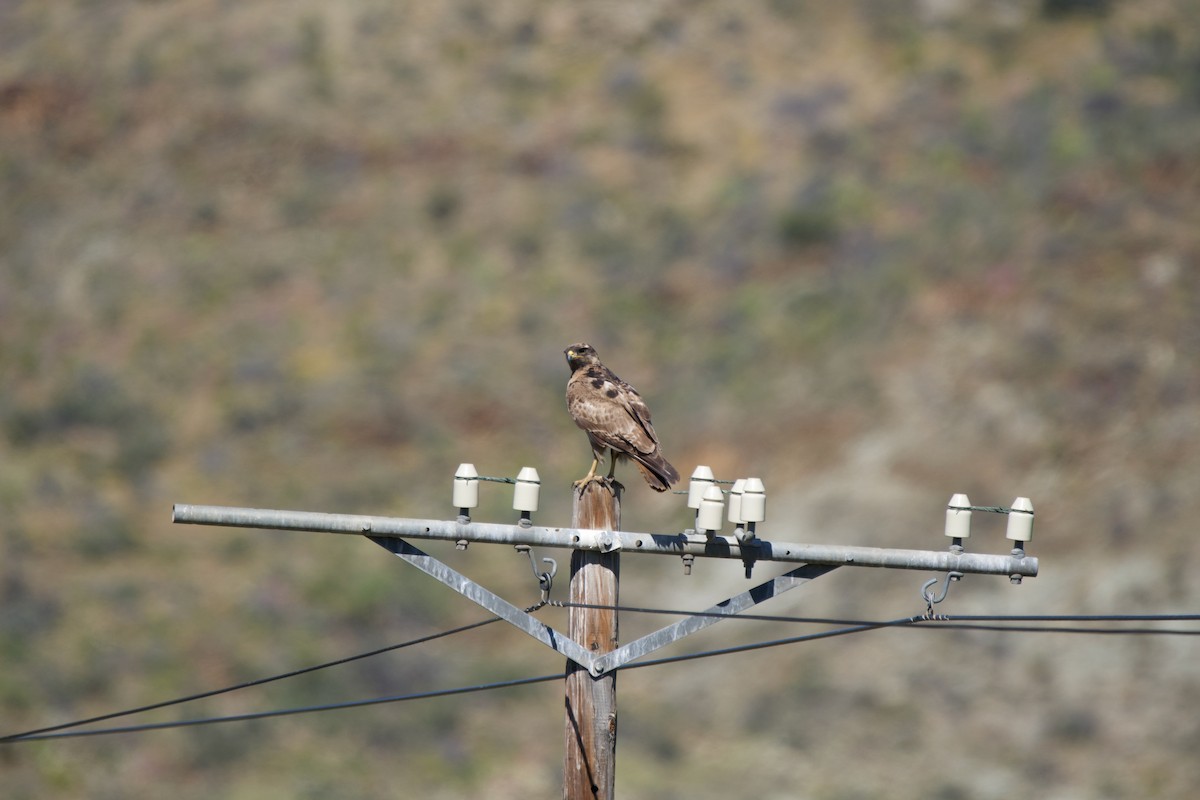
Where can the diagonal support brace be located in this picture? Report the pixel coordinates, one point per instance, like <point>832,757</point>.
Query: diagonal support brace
<point>559,642</point>
<point>711,616</point>
<point>518,618</point>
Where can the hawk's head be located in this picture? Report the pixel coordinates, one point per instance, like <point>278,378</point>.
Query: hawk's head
<point>580,355</point>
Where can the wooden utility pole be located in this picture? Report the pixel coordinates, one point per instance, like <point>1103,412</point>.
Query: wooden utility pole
<point>595,540</point>
<point>591,703</point>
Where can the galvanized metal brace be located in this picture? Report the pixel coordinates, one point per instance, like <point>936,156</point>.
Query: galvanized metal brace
<point>558,641</point>
<point>518,618</point>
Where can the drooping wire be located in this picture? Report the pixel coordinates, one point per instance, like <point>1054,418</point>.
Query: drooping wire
<point>971,622</point>
<point>35,733</point>
<point>56,732</point>
<point>189,723</point>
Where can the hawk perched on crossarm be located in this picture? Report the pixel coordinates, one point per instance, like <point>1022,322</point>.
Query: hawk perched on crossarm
<point>615,418</point>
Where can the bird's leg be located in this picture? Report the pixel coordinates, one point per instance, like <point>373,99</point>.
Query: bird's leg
<point>612,464</point>
<point>591,475</point>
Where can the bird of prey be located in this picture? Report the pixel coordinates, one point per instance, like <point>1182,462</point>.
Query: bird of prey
<point>615,418</point>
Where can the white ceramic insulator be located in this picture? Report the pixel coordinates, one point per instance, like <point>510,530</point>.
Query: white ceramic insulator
<point>702,478</point>
<point>958,517</point>
<point>711,505</point>
<point>529,485</point>
<point>466,487</point>
<point>754,500</point>
<point>735,501</point>
<point>1020,520</point>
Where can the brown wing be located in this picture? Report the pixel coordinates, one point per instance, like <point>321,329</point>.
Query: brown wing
<point>614,416</point>
<point>611,411</point>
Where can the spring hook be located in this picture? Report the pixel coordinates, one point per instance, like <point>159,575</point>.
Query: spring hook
<point>931,598</point>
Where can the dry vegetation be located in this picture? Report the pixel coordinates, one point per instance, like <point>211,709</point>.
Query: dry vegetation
<point>314,255</point>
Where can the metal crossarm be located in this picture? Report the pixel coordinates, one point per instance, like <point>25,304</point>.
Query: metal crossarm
<point>817,560</point>
<point>606,541</point>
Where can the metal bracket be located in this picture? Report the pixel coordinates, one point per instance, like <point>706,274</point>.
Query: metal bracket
<point>561,643</point>
<point>545,579</point>
<point>555,640</point>
<point>710,616</point>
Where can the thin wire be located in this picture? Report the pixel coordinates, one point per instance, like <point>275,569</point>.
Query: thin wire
<point>284,712</point>
<point>43,736</point>
<point>950,623</point>
<point>869,626</point>
<point>942,623</point>
<point>258,682</point>
<point>860,622</point>
<point>1082,618</point>
<point>989,509</point>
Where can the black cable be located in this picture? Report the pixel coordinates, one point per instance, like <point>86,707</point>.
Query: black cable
<point>950,623</point>
<point>938,623</point>
<point>871,623</point>
<point>258,682</point>
<point>284,712</point>
<point>39,736</point>
<point>724,651</point>
<point>968,622</point>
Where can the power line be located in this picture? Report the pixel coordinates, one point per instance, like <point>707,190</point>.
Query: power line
<point>724,651</point>
<point>939,623</point>
<point>58,732</point>
<point>46,734</point>
<point>27,735</point>
<point>189,723</point>
<point>956,619</point>
<point>966,622</point>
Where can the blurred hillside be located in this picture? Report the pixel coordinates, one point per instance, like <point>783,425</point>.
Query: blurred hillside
<point>312,255</point>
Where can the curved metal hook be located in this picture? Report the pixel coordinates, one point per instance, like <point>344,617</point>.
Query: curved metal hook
<point>930,598</point>
<point>545,579</point>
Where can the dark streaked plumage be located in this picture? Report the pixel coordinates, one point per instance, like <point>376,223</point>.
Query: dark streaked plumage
<point>615,418</point>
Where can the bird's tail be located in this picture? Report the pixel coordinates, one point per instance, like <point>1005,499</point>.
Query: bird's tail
<point>657,471</point>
